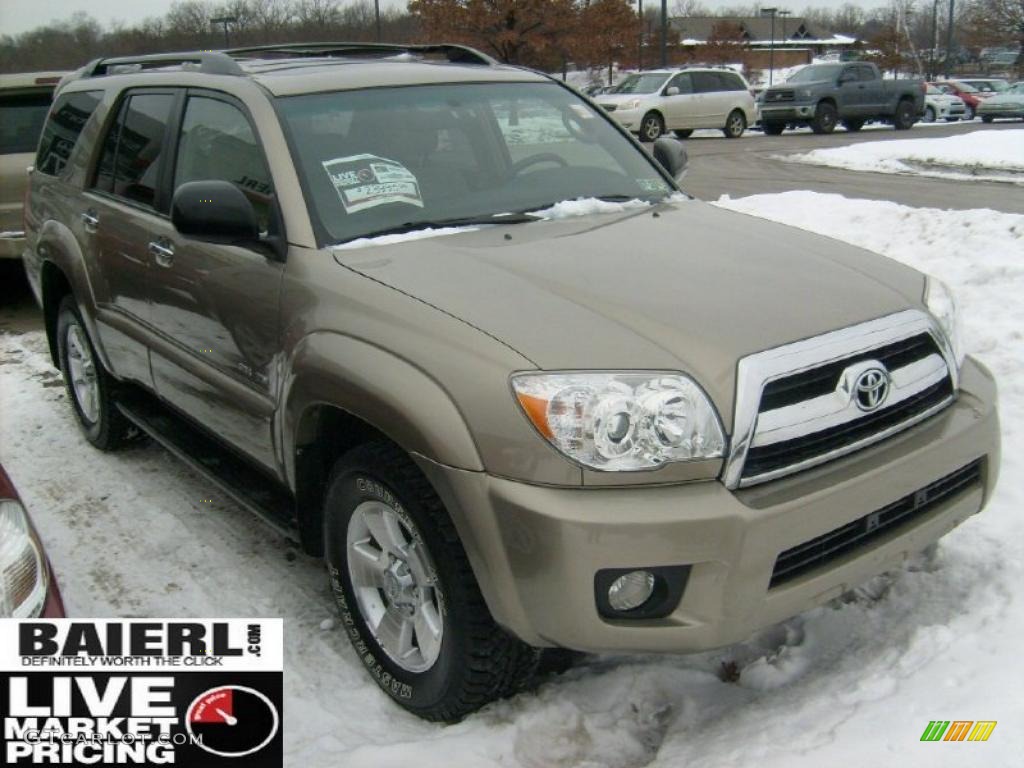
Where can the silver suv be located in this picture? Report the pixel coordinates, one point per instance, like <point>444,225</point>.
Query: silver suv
<point>682,100</point>
<point>449,326</point>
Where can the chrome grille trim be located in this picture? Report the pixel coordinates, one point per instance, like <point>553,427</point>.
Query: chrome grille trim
<point>755,371</point>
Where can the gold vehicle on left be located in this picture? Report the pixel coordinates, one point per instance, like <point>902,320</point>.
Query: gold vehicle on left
<point>24,101</point>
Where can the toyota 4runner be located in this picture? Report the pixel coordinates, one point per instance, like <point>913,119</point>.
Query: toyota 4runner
<point>449,325</point>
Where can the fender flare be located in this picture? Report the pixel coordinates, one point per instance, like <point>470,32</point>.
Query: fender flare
<point>344,372</point>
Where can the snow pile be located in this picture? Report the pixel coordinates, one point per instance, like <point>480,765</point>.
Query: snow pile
<point>588,206</point>
<point>401,237</point>
<point>983,155</point>
<point>851,683</point>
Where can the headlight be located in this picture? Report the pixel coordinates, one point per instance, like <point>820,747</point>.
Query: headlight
<point>622,421</point>
<point>805,93</point>
<point>634,104</point>
<point>941,303</point>
<point>22,567</point>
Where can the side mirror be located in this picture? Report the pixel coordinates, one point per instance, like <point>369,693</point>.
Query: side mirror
<point>672,156</point>
<point>215,211</point>
<point>671,91</point>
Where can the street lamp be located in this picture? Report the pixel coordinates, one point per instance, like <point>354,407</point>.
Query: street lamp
<point>376,11</point>
<point>949,41</point>
<point>664,34</point>
<point>640,47</point>
<point>784,13</point>
<point>225,20</point>
<point>771,43</point>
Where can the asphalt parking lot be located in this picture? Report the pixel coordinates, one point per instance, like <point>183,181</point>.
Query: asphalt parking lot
<point>749,166</point>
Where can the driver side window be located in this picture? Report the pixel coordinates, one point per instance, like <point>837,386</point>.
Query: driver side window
<point>684,82</point>
<point>217,143</point>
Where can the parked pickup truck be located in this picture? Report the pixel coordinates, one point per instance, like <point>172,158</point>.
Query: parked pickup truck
<point>822,95</point>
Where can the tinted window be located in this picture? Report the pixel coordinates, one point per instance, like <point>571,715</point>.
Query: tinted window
<point>865,73</point>
<point>731,82</point>
<point>683,82</point>
<point>706,82</point>
<point>131,152</point>
<point>21,121</point>
<point>646,83</point>
<point>218,143</point>
<point>68,118</point>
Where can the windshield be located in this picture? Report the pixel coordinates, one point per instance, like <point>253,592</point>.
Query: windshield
<point>648,83</point>
<point>21,121</point>
<point>966,88</point>
<point>388,158</point>
<point>816,72</point>
<point>933,91</point>
<point>1016,88</point>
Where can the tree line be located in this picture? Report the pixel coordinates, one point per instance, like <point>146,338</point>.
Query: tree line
<point>548,34</point>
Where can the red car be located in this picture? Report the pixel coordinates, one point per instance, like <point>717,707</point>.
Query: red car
<point>971,96</point>
<point>28,589</point>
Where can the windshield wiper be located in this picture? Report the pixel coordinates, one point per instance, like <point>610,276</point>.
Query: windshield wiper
<point>456,221</point>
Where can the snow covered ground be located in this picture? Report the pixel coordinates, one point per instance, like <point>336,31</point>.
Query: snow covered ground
<point>852,683</point>
<point>979,155</point>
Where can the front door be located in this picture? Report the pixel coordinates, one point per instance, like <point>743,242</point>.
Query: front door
<point>215,306</point>
<point>681,109</point>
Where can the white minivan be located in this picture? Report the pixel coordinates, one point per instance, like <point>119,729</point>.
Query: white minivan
<point>681,100</point>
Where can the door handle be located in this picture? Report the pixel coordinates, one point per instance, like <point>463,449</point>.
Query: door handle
<point>162,254</point>
<point>90,220</point>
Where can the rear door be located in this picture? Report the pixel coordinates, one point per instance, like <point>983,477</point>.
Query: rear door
<point>876,96</point>
<point>214,306</point>
<point>22,114</point>
<point>123,206</point>
<point>850,93</point>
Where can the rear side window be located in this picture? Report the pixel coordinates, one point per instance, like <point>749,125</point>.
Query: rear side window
<point>731,81</point>
<point>21,121</point>
<point>130,162</point>
<point>865,73</point>
<point>67,119</point>
<point>706,82</point>
<point>218,143</point>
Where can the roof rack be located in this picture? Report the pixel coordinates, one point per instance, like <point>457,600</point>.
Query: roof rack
<point>456,54</point>
<point>208,62</point>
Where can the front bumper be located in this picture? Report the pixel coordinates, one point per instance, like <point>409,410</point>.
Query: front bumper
<point>996,110</point>
<point>774,114</point>
<point>628,118</point>
<point>12,243</point>
<point>535,550</point>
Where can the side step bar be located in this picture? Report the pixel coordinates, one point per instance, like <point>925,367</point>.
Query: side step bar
<point>229,472</point>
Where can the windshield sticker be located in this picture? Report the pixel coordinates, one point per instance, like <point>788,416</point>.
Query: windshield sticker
<point>366,181</point>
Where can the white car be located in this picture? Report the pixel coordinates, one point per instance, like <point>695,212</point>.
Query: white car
<point>681,100</point>
<point>941,105</point>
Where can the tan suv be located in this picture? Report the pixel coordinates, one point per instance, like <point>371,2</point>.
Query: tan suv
<point>449,325</point>
<point>24,102</point>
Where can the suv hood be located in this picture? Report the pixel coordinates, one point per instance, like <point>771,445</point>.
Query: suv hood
<point>694,288</point>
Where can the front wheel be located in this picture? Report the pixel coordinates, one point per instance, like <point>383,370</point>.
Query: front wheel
<point>969,113</point>
<point>735,125</point>
<point>651,127</point>
<point>824,118</point>
<point>408,599</point>
<point>904,117</point>
<point>89,386</point>
<point>929,115</point>
<point>853,125</point>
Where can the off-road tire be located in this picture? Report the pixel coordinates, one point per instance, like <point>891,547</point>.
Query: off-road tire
<point>735,124</point>
<point>110,430</point>
<point>904,118</point>
<point>479,662</point>
<point>825,118</point>
<point>651,127</point>
<point>773,129</point>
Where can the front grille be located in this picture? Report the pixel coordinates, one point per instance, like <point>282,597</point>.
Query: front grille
<point>773,96</point>
<point>824,379</point>
<point>820,551</point>
<point>770,458</point>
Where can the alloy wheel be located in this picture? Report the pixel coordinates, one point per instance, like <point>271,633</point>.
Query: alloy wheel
<point>82,369</point>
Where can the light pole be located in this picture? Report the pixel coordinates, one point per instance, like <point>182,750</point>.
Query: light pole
<point>225,20</point>
<point>376,11</point>
<point>640,47</point>
<point>664,34</point>
<point>771,44</point>
<point>784,13</point>
<point>949,41</point>
<point>933,70</point>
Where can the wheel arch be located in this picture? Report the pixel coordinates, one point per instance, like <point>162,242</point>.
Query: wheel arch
<point>341,392</point>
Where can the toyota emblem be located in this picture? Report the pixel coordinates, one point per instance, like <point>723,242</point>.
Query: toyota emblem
<point>871,389</point>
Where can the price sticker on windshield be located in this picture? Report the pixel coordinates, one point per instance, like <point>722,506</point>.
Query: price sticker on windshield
<point>367,181</point>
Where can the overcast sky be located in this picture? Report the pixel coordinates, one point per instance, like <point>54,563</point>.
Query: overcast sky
<point>21,15</point>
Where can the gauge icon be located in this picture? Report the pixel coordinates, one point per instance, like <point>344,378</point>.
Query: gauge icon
<point>232,721</point>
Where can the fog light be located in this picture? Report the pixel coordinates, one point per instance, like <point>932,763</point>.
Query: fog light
<point>631,590</point>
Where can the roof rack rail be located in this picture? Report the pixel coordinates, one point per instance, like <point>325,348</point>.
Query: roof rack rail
<point>456,54</point>
<point>209,62</point>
